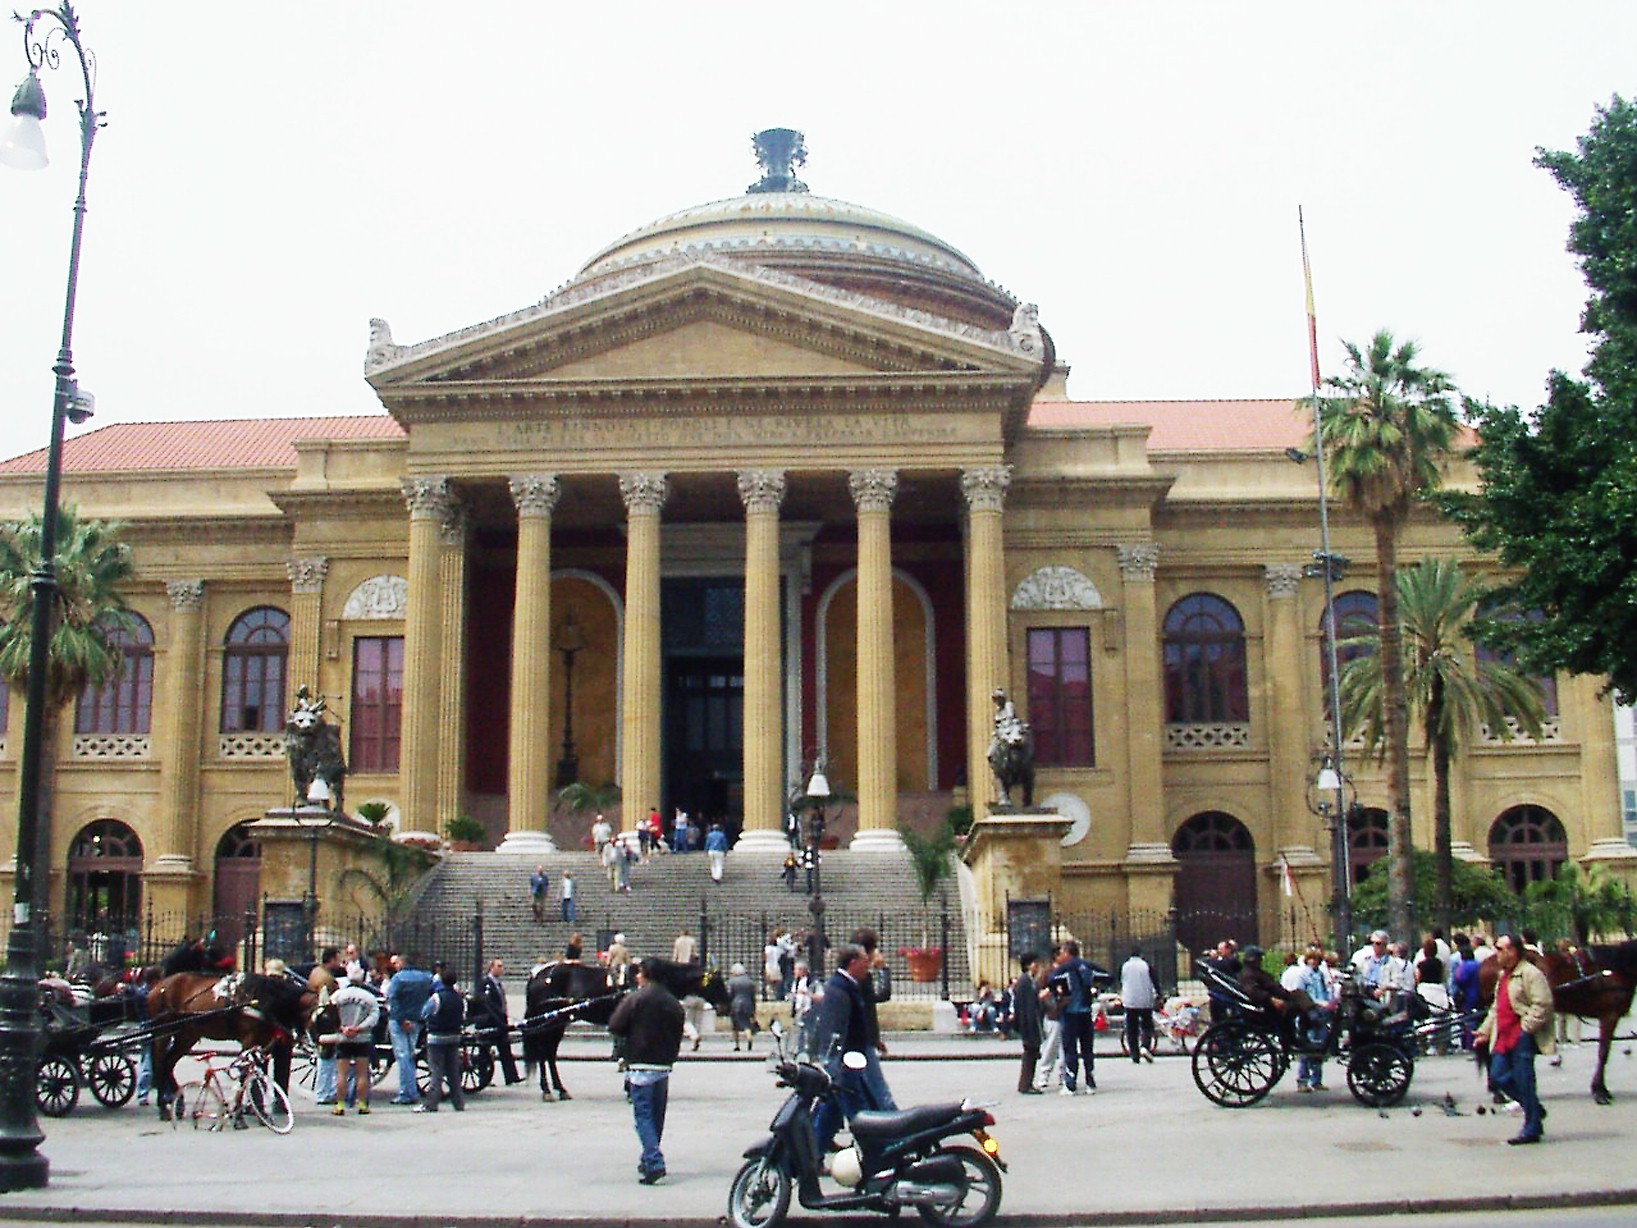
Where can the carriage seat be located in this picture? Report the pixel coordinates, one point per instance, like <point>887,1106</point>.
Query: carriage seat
<point>894,1123</point>
<point>1224,989</point>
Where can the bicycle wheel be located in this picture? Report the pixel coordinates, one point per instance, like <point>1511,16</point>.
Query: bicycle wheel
<point>268,1101</point>
<point>201,1104</point>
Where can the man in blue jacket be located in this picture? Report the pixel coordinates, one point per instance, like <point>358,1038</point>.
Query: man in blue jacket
<point>1074,981</point>
<point>407,993</point>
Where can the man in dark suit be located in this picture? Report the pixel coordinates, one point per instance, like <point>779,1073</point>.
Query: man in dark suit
<point>843,1027</point>
<point>496,1030</point>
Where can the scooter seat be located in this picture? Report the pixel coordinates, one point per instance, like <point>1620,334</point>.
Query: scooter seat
<point>884,1124</point>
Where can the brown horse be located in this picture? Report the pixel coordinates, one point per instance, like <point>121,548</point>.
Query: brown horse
<point>262,1010</point>
<point>1596,982</point>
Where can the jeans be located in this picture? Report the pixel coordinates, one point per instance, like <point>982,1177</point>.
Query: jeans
<point>1514,1073</point>
<point>443,1066</point>
<point>144,1074</point>
<point>1077,1036</point>
<point>1309,1071</point>
<point>565,909</point>
<point>403,1054</point>
<point>877,1095</point>
<point>850,1097</point>
<point>324,1082</point>
<point>648,1101</point>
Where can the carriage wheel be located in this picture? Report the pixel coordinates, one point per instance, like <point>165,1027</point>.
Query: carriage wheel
<point>304,1062</point>
<point>112,1078</point>
<point>477,1070</point>
<point>57,1086</point>
<point>1378,1074</point>
<point>423,1072</point>
<point>1235,1066</point>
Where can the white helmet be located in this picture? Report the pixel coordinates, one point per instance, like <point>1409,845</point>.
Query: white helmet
<point>847,1167</point>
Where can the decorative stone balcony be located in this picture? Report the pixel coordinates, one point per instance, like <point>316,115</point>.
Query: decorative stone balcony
<point>1225,735</point>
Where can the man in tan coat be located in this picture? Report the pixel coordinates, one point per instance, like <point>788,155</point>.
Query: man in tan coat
<point>1518,1026</point>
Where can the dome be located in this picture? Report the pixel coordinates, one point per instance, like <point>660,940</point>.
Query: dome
<point>778,225</point>
<point>772,222</point>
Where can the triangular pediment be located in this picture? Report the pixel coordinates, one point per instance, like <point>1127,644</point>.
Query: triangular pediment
<point>698,317</point>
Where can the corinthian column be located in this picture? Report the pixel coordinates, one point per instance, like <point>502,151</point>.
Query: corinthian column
<point>1287,717</point>
<point>428,500</point>
<point>306,610</point>
<point>452,534</point>
<point>644,495</point>
<point>985,491</point>
<point>762,491</point>
<point>183,725</point>
<point>528,762</point>
<point>873,491</point>
<point>1144,686</point>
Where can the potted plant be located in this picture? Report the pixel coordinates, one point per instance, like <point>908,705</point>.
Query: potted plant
<point>373,813</point>
<point>933,860</point>
<point>465,833</point>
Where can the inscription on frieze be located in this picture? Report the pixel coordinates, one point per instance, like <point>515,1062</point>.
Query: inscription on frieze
<point>826,430</point>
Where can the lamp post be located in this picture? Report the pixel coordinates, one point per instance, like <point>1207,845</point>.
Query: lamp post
<point>318,794</point>
<point>23,147</point>
<point>569,641</point>
<point>1327,797</point>
<point>818,792</point>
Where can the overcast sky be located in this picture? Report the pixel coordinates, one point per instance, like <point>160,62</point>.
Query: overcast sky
<point>274,174</point>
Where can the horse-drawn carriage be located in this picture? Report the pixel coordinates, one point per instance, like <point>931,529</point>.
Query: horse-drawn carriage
<point>86,1043</point>
<point>1242,1056</point>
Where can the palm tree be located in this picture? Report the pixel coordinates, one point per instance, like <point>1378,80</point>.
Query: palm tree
<point>91,563</point>
<point>1582,904</point>
<point>1450,692</point>
<point>1388,433</point>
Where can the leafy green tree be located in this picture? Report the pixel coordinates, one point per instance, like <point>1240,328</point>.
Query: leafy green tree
<point>1580,904</point>
<point>394,870</point>
<point>1389,431</point>
<point>1557,495</point>
<point>1450,692</point>
<point>1477,894</point>
<point>92,564</point>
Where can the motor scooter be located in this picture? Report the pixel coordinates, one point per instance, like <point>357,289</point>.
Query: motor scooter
<point>898,1159</point>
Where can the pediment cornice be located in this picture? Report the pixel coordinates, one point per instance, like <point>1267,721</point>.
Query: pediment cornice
<point>598,313</point>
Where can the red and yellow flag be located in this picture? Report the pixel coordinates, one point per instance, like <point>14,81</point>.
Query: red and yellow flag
<point>1312,318</point>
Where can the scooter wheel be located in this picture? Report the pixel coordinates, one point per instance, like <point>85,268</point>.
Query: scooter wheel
<point>760,1195</point>
<point>977,1206</point>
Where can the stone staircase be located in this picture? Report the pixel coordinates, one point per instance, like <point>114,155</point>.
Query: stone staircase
<point>667,895</point>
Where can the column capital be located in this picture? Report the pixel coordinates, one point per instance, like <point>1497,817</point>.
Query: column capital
<point>1282,579</point>
<point>307,575</point>
<point>985,488</point>
<point>873,490</point>
<point>761,490</point>
<point>535,494</point>
<point>186,596</point>
<point>643,492</point>
<point>426,498</point>
<point>1138,561</point>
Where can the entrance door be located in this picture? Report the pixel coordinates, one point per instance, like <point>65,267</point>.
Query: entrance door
<point>238,883</point>
<point>705,738</point>
<point>1216,883</point>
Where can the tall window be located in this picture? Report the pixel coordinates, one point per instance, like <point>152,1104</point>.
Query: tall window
<point>1546,682</point>
<point>1355,616</point>
<point>253,668</point>
<point>1060,696</point>
<point>1528,845</point>
<point>377,702</point>
<point>124,703</point>
<point>1205,662</point>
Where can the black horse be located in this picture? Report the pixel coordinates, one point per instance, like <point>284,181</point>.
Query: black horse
<point>562,992</point>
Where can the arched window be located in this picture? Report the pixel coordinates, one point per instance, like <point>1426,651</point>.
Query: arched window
<point>1205,662</point>
<point>1355,616</point>
<point>124,703</point>
<point>1215,887</point>
<point>104,877</point>
<point>253,668</point>
<point>1546,682</point>
<point>1366,840</point>
<point>1527,845</point>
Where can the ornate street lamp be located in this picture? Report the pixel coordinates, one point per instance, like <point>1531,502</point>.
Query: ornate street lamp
<point>318,796</point>
<point>1328,796</point>
<point>23,146</point>
<point>818,793</point>
<point>570,641</point>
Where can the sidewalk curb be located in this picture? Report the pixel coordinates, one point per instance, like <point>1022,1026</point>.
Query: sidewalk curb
<point>14,1212</point>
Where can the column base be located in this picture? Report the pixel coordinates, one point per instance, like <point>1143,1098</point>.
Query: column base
<point>527,844</point>
<point>762,840</point>
<point>877,840</point>
<point>1610,848</point>
<point>1140,853</point>
<point>172,863</point>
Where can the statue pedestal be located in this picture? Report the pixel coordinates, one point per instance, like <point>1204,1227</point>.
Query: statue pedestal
<point>1013,853</point>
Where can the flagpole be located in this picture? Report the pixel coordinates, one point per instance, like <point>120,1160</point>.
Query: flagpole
<point>1340,868</point>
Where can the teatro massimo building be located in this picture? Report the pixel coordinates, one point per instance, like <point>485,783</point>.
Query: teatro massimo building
<point>772,479</point>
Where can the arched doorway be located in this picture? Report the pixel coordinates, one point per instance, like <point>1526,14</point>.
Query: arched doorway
<point>1527,845</point>
<point>237,887</point>
<point>1366,840</point>
<point>105,880</point>
<point>1215,890</point>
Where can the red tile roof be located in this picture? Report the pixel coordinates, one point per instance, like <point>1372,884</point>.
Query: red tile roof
<point>1188,425</point>
<point>265,443</point>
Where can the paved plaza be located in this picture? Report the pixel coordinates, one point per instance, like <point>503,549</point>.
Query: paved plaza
<point>1147,1147</point>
